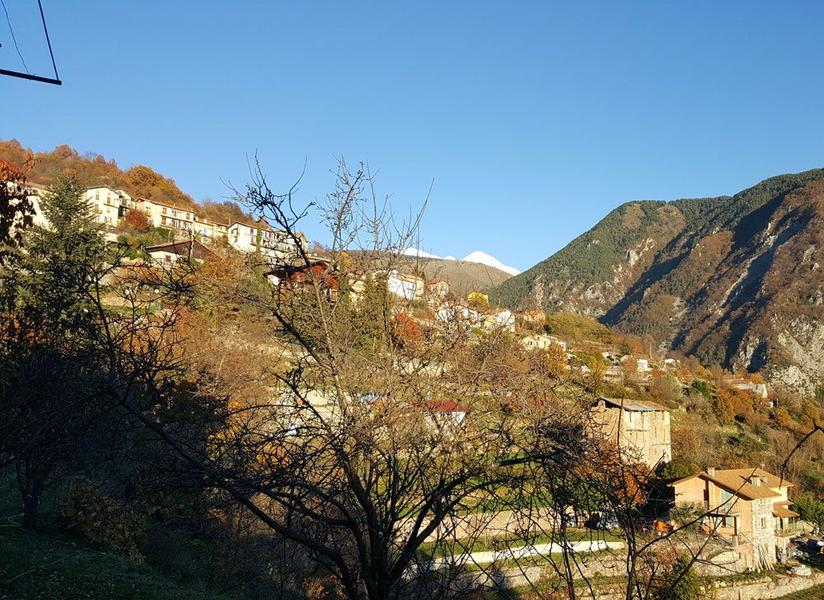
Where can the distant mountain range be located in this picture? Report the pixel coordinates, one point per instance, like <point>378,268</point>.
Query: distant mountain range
<point>737,281</point>
<point>462,275</point>
<point>473,257</point>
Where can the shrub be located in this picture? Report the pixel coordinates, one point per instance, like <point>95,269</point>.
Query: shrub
<point>679,583</point>
<point>811,509</point>
<point>103,520</point>
<point>702,387</point>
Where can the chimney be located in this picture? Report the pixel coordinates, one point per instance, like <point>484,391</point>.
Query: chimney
<point>711,471</point>
<point>755,480</point>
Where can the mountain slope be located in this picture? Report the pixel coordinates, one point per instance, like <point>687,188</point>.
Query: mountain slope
<point>462,276</point>
<point>735,280</point>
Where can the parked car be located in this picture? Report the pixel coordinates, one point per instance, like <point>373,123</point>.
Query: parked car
<point>800,571</point>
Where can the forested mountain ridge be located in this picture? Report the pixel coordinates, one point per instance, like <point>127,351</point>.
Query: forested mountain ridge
<point>734,280</point>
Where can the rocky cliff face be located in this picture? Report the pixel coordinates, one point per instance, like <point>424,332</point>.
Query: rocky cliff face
<point>737,281</point>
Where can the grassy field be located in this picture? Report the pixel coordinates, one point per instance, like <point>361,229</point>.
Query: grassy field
<point>34,566</point>
<point>49,565</point>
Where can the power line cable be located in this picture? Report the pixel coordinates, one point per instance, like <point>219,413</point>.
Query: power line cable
<point>14,39</point>
<point>48,40</point>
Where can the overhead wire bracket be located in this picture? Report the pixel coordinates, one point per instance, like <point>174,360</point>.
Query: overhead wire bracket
<point>52,80</point>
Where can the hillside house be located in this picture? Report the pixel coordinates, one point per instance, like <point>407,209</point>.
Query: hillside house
<point>304,273</point>
<point>437,292</point>
<point>405,286</point>
<point>180,251</point>
<point>533,318</point>
<point>542,341</point>
<point>757,389</point>
<point>500,318</point>
<point>266,241</point>
<point>457,316</point>
<point>640,429</point>
<point>109,205</point>
<point>671,364</point>
<point>447,412</point>
<point>748,506</point>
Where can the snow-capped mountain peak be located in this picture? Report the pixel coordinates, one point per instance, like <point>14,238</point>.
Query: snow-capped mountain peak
<point>475,257</point>
<point>490,261</point>
<point>418,252</point>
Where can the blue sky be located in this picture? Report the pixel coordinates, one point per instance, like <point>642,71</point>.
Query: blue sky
<point>532,119</point>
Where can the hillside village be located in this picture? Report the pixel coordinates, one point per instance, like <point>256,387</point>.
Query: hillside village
<point>748,509</point>
<point>411,301</point>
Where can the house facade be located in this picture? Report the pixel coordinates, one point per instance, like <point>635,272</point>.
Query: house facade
<point>639,429</point>
<point>749,506</point>
<point>437,291</point>
<point>405,286</point>
<point>110,205</point>
<point>542,341</point>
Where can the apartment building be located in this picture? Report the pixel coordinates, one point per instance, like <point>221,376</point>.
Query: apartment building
<point>110,205</point>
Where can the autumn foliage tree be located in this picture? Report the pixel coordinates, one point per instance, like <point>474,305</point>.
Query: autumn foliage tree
<point>16,209</point>
<point>134,221</point>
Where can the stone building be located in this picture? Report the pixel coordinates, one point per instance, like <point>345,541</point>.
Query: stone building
<point>640,429</point>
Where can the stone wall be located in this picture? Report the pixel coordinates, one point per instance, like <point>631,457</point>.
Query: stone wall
<point>766,587</point>
<point>763,532</point>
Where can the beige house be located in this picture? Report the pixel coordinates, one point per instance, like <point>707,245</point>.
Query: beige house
<point>542,341</point>
<point>405,286</point>
<point>109,205</point>
<point>533,317</point>
<point>749,506</point>
<point>437,291</point>
<point>640,429</point>
<point>261,239</point>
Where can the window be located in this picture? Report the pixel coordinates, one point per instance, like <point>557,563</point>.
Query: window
<point>763,522</point>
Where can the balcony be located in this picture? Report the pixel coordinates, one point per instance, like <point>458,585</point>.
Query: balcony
<point>792,529</point>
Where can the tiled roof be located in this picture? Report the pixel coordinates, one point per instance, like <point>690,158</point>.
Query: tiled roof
<point>772,481</point>
<point>737,481</point>
<point>784,513</point>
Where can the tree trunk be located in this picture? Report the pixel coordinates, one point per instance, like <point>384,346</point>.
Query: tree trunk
<point>31,483</point>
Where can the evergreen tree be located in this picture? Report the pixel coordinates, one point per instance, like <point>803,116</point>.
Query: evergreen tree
<point>48,367</point>
<point>64,259</point>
